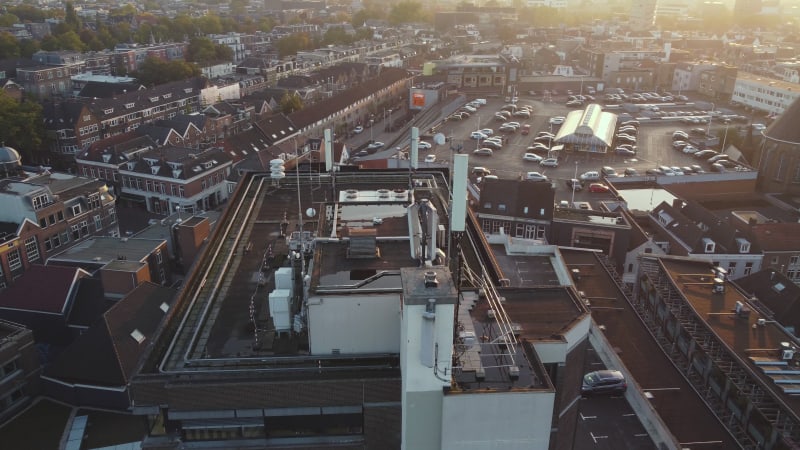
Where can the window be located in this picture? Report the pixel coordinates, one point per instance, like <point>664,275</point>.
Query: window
<point>112,215</point>
<point>748,268</point>
<point>76,232</point>
<point>501,206</point>
<point>51,219</point>
<point>98,222</point>
<point>60,216</point>
<point>64,237</point>
<point>793,260</point>
<point>76,210</point>
<point>32,249</point>
<point>84,227</point>
<point>159,257</point>
<point>14,260</point>
<point>40,201</point>
<point>43,222</point>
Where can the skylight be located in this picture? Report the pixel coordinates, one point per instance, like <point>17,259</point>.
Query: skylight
<point>137,336</point>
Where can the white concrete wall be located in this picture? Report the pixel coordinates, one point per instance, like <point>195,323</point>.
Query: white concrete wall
<point>354,324</point>
<point>497,420</point>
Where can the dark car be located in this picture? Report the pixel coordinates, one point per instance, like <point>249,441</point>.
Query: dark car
<point>575,184</point>
<point>601,382</point>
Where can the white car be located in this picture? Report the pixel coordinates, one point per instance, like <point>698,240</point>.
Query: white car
<point>481,101</point>
<point>535,176</point>
<point>477,135</point>
<point>591,175</point>
<point>424,145</point>
<point>690,150</point>
<point>358,130</point>
<point>487,131</point>
<point>532,157</point>
<point>483,152</point>
<point>516,125</point>
<point>430,158</point>
<point>375,145</point>
<point>549,162</point>
<point>558,120</point>
<point>469,108</point>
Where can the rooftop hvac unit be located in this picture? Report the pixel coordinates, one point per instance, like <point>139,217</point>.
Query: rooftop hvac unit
<point>718,286</point>
<point>513,372</point>
<point>787,351</point>
<point>280,309</point>
<point>468,337</point>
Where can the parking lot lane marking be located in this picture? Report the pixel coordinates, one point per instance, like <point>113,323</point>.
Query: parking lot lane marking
<point>587,417</point>
<point>664,389</point>
<point>628,415</point>
<point>641,435</point>
<point>595,438</point>
<point>597,364</point>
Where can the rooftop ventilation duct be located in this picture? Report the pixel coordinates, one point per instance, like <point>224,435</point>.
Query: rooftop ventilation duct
<point>363,244</point>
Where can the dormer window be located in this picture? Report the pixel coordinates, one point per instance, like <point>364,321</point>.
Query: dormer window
<point>131,165</point>
<point>664,218</point>
<point>208,165</point>
<point>188,90</point>
<point>39,201</point>
<point>708,245</point>
<point>108,111</point>
<point>176,173</point>
<point>153,99</point>
<point>168,95</point>
<point>129,105</point>
<point>154,169</point>
<point>744,245</point>
<point>106,157</point>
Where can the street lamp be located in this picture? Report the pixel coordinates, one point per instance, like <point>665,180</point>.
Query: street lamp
<point>724,138</point>
<point>573,182</point>
<point>710,119</point>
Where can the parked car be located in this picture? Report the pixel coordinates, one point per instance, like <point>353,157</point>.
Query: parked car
<point>375,145</point>
<point>535,176</point>
<point>631,172</point>
<point>523,113</point>
<point>716,158</point>
<point>623,151</point>
<point>480,171</point>
<point>690,149</point>
<point>526,129</point>
<point>545,134</point>
<point>483,152</point>
<point>591,175</point>
<point>430,158</point>
<point>516,125</point>
<point>697,169</point>
<point>679,145</point>
<point>609,172</point>
<point>424,145</point>
<point>574,184</point>
<point>609,382</point>
<point>487,131</point>
<point>549,162</point>
<point>717,167</point>
<point>532,157</point>
<point>666,171</point>
<point>538,148</point>
<point>492,144</point>
<point>677,170</point>
<point>598,188</point>
<point>705,154</point>
<point>477,135</point>
<point>558,120</point>
<point>358,130</point>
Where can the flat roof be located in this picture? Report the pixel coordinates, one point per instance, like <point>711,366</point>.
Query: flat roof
<point>683,412</point>
<point>751,342</point>
<point>102,250</point>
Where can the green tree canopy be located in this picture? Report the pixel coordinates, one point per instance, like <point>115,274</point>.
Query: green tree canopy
<point>204,50</point>
<point>291,44</point>
<point>291,103</point>
<point>21,125</point>
<point>28,13</point>
<point>6,20</point>
<point>405,12</point>
<point>9,48</point>
<point>155,71</point>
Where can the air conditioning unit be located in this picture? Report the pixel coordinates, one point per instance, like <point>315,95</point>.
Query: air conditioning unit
<point>787,354</point>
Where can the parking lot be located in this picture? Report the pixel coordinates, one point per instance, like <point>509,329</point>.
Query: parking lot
<point>654,147</point>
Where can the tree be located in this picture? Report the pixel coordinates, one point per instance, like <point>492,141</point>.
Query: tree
<point>291,44</point>
<point>405,12</point>
<point>337,36</point>
<point>27,13</point>
<point>291,103</point>
<point>204,50</point>
<point>9,48</point>
<point>27,47</point>
<point>7,20</point>
<point>21,125</point>
<point>155,71</point>
<point>209,24</point>
<point>71,17</point>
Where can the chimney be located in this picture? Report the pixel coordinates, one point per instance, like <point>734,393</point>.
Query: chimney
<point>430,279</point>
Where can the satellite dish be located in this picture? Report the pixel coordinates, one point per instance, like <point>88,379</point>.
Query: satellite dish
<point>439,138</point>
<point>311,212</point>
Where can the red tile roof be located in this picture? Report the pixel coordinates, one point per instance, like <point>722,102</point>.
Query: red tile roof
<point>777,236</point>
